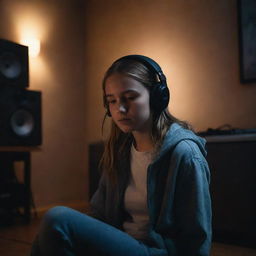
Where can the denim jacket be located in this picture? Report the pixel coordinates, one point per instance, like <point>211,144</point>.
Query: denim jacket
<point>179,203</point>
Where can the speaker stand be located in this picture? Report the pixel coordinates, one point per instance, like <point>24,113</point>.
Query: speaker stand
<point>12,154</point>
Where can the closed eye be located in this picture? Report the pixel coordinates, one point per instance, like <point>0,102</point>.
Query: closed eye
<point>111,101</point>
<point>131,96</point>
<point>127,96</point>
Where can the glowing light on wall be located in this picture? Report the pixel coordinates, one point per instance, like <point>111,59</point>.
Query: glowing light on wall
<point>33,45</point>
<point>32,27</point>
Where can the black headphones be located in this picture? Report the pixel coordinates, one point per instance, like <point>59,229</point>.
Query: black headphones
<point>159,93</point>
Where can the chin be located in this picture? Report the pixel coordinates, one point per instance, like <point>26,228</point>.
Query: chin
<point>125,129</point>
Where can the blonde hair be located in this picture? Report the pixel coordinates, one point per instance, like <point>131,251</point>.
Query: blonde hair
<point>118,142</point>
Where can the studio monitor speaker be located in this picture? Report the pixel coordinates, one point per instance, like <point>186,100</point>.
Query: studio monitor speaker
<point>20,117</point>
<point>13,65</point>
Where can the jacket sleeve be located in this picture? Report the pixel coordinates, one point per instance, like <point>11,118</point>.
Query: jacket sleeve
<point>98,201</point>
<point>193,208</point>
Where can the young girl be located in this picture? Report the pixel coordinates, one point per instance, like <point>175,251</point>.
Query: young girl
<point>153,197</point>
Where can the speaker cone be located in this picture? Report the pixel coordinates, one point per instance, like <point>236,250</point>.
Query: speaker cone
<point>10,66</point>
<point>22,123</point>
<point>14,66</point>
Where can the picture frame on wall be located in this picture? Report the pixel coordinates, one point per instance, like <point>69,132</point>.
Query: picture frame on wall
<point>247,40</point>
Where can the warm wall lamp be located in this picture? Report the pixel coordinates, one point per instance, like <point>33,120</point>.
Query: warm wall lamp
<point>33,45</point>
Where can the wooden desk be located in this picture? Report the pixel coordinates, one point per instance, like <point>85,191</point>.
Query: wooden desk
<point>233,177</point>
<point>10,154</point>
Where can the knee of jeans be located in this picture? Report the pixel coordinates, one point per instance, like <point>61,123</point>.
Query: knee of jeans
<point>55,217</point>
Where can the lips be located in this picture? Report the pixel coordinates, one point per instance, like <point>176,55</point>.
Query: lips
<point>124,120</point>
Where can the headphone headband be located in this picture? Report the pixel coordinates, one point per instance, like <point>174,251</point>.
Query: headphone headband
<point>149,63</point>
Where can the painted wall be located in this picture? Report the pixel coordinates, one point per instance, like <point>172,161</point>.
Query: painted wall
<point>59,169</point>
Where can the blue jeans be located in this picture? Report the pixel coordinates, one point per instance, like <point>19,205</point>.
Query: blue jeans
<point>66,232</point>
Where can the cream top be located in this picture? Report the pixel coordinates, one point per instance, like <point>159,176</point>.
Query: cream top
<point>136,195</point>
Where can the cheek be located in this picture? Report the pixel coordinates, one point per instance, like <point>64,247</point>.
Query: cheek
<point>146,113</point>
<point>143,109</point>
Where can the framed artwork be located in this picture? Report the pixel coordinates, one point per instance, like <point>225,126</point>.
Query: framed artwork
<point>247,40</point>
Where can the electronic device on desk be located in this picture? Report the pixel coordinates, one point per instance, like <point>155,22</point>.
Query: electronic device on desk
<point>227,133</point>
<point>232,162</point>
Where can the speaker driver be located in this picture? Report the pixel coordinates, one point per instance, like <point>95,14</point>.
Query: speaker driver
<point>22,123</point>
<point>20,117</point>
<point>10,66</point>
<point>14,65</point>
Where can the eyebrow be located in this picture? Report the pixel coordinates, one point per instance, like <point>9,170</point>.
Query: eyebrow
<point>125,92</point>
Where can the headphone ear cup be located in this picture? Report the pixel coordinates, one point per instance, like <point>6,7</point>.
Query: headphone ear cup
<point>159,97</point>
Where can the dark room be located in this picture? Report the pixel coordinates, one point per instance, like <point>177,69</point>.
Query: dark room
<point>64,121</point>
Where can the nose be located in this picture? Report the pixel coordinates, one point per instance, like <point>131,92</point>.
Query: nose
<point>122,108</point>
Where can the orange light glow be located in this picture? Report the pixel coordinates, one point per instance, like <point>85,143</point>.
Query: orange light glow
<point>33,45</point>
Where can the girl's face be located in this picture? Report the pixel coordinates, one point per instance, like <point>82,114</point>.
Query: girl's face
<point>128,102</point>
